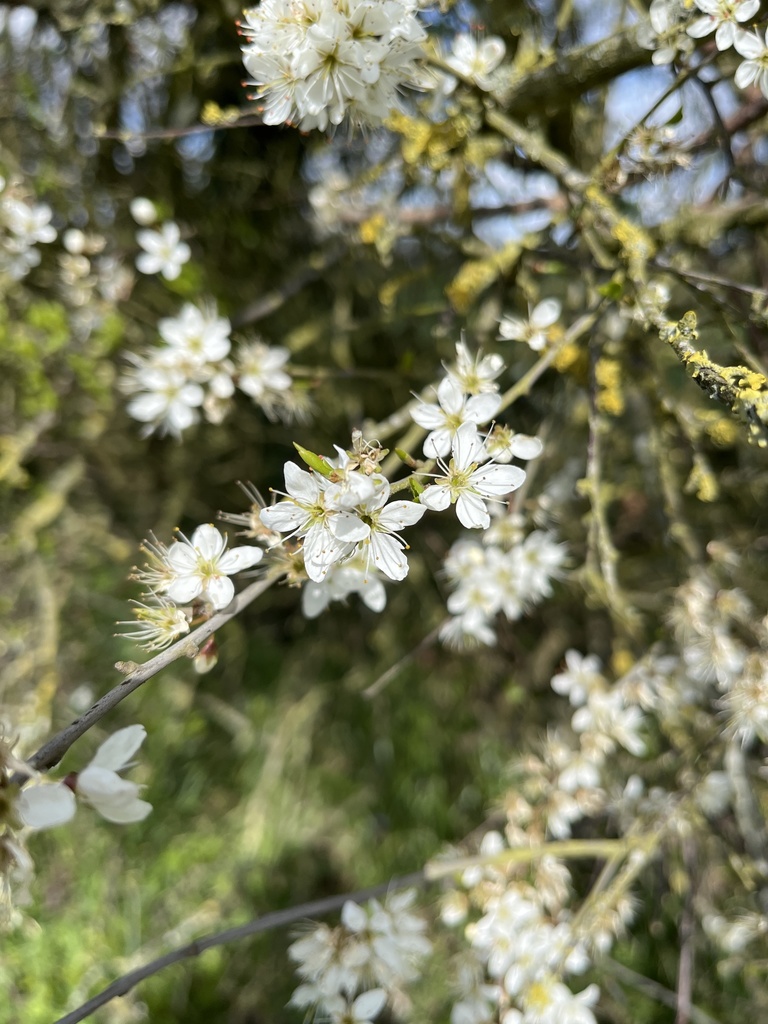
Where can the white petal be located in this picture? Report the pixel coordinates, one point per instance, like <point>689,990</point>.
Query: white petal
<point>46,805</point>
<point>450,395</point>
<point>546,313</point>
<point>472,513</point>
<point>701,27</point>
<point>354,917</point>
<point>481,408</point>
<point>284,517</point>
<point>135,810</point>
<point>102,785</point>
<point>438,443</point>
<point>208,541</point>
<point>220,591</point>
<point>399,514</point>
<point>115,752</point>
<point>184,589</point>
<point>430,417</point>
<point>748,45</point>
<point>239,558</point>
<point>467,446</point>
<point>301,485</point>
<point>436,497</point>
<point>497,480</point>
<point>524,447</point>
<point>348,528</point>
<point>369,1004</point>
<point>374,595</point>
<point>315,598</point>
<point>388,556</point>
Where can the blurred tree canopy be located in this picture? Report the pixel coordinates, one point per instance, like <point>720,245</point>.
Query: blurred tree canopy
<point>273,778</point>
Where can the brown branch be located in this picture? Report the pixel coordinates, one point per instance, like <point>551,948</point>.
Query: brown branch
<point>56,747</point>
<point>277,919</point>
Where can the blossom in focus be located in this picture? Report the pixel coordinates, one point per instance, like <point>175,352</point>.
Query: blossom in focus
<point>202,567</point>
<point>474,59</point>
<point>317,62</point>
<point>754,70</point>
<point>45,804</point>
<point>503,445</point>
<point>722,17</point>
<point>453,408</point>
<point>467,484</point>
<point>164,252</point>
<point>536,329</point>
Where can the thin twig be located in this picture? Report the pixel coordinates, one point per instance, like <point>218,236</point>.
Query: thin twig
<point>654,990</point>
<point>56,747</point>
<point>260,308</point>
<point>685,961</point>
<point>386,677</point>
<point>277,919</point>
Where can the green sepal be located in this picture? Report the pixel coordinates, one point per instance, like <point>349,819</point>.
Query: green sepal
<point>315,462</point>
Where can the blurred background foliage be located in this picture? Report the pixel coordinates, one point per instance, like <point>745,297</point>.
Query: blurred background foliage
<point>273,780</point>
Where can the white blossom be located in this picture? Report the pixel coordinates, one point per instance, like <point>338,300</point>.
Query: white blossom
<point>453,408</point>
<point>754,70</point>
<point>536,329</point>
<point>202,567</point>
<point>164,252</point>
<point>30,224</point>
<point>260,369</point>
<point>722,17</point>
<point>475,59</point>
<point>45,805</point>
<point>467,484</point>
<point>317,62</point>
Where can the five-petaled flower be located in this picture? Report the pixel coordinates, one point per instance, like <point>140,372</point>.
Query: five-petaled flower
<point>469,484</point>
<point>202,567</point>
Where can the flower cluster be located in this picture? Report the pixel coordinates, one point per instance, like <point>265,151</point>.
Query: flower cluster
<point>670,32</point>
<point>190,574</point>
<point>524,943</point>
<point>317,62</point>
<point>503,573</point>
<point>44,804</point>
<point>192,372</point>
<point>22,227</point>
<point>375,951</point>
<point>339,511</point>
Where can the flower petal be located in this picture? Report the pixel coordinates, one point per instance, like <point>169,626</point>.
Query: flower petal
<point>472,513</point>
<point>115,752</point>
<point>46,805</point>
<point>239,558</point>
<point>208,541</point>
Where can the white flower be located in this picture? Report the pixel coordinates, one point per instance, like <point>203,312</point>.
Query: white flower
<point>375,532</point>
<point>194,337</point>
<point>164,252</point>
<point>158,624</point>
<point>536,329</point>
<point>754,70</point>
<point>476,60</point>
<point>44,805</point>
<point>503,445</point>
<point>582,677</point>
<point>453,409</point>
<point>304,513</point>
<point>167,401</point>
<point>722,18</point>
<point>549,1001</point>
<point>260,369</point>
<point>469,485</point>
<point>317,62</point>
<point>475,374</point>
<point>30,224</point>
<point>202,567</point>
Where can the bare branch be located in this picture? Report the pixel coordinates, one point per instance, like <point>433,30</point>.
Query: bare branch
<point>277,919</point>
<point>56,747</point>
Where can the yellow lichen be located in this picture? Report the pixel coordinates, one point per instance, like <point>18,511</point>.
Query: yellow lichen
<point>610,394</point>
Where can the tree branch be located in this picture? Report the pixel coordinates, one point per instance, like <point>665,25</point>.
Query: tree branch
<point>56,747</point>
<point>277,919</point>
